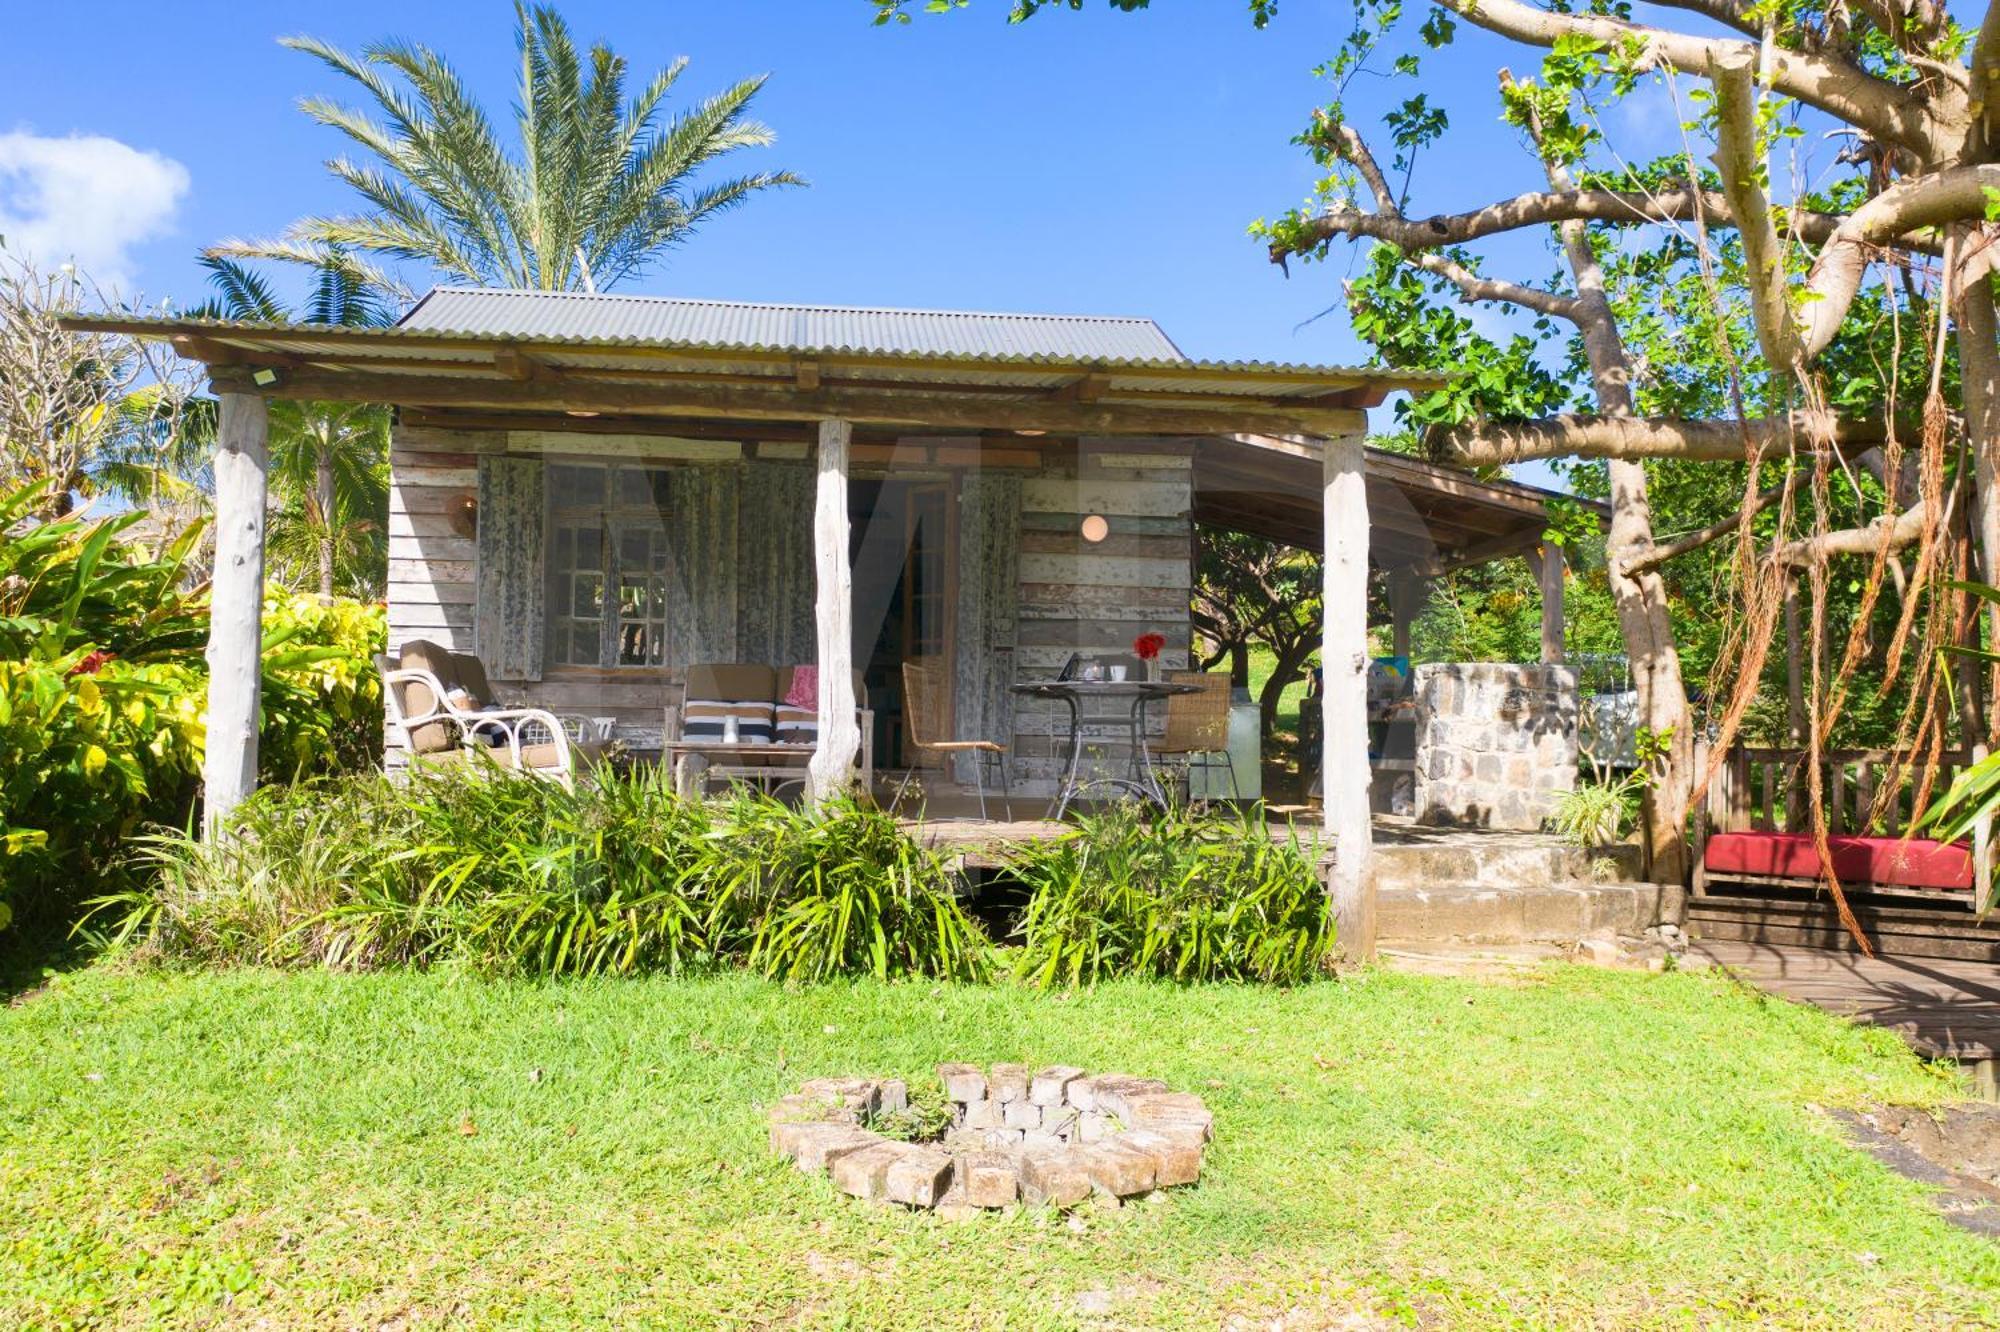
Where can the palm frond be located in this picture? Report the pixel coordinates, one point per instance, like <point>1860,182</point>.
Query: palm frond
<point>246,293</point>
<point>595,174</point>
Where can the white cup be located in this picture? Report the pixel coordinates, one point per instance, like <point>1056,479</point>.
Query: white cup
<point>1118,675</point>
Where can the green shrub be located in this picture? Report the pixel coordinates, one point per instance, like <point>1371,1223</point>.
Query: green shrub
<point>514,875</point>
<point>1194,897</point>
<point>1592,814</point>
<point>843,892</point>
<point>103,689</point>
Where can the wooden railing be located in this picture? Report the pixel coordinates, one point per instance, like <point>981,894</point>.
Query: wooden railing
<point>1869,791</point>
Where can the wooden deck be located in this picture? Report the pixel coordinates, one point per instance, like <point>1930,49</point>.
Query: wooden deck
<point>1944,1007</point>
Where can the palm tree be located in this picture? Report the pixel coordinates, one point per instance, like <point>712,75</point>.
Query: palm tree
<point>598,190</point>
<point>329,461</point>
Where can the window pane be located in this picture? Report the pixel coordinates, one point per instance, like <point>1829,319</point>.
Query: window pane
<point>607,576</point>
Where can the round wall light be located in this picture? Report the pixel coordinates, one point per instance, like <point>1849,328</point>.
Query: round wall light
<point>1095,528</point>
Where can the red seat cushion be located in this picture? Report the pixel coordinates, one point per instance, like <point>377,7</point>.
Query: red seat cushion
<point>1916,863</point>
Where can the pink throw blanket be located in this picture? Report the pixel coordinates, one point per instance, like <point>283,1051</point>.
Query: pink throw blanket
<point>804,692</point>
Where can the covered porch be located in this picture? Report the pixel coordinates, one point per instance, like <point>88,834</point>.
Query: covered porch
<point>1032,503</point>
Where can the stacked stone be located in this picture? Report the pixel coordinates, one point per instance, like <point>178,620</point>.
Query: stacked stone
<point>1055,1136</point>
<point>1496,743</point>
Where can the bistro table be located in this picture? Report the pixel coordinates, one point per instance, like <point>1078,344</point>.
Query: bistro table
<point>693,762</point>
<point>1136,694</point>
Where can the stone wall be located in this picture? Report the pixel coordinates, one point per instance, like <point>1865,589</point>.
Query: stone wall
<point>1496,742</point>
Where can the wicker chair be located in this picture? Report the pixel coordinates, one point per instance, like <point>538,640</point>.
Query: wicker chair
<point>1198,727</point>
<point>924,694</point>
<point>441,704</point>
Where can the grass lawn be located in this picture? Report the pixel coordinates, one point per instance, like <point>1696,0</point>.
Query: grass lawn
<point>1576,1148</point>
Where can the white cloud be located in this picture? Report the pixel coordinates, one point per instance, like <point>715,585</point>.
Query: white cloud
<point>84,199</point>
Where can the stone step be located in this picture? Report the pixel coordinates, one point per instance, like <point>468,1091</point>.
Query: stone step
<point>1510,959</point>
<point>1499,860</point>
<point>1476,913</point>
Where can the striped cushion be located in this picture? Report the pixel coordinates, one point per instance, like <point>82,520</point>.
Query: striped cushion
<point>703,718</point>
<point>797,726</point>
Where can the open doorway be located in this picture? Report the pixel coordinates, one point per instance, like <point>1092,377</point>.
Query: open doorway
<point>902,535</point>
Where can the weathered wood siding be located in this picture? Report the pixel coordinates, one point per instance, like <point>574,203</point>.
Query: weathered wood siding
<point>1076,596</point>
<point>431,567</point>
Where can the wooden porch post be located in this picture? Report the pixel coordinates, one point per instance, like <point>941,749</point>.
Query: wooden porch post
<point>832,768</point>
<point>1406,594</point>
<point>1344,695</point>
<point>236,615</point>
<point>1548,562</point>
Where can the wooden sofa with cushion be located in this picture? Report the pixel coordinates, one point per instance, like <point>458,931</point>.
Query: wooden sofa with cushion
<point>1753,828</point>
<point>771,706</point>
<point>448,714</point>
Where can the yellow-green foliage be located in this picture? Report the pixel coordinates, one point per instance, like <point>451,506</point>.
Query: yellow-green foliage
<point>102,690</point>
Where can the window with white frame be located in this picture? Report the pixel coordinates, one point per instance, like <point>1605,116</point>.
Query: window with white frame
<point>607,565</point>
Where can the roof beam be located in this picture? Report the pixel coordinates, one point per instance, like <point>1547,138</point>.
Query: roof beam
<point>1084,388</point>
<point>929,406</point>
<point>517,365</point>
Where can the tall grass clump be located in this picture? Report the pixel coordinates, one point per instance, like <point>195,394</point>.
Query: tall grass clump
<point>1190,896</point>
<point>846,892</point>
<point>512,875</point>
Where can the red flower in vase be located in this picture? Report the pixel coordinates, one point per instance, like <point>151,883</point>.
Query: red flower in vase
<point>1146,647</point>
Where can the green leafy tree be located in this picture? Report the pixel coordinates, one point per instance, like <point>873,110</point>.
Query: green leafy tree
<point>1250,592</point>
<point>1779,359</point>
<point>598,187</point>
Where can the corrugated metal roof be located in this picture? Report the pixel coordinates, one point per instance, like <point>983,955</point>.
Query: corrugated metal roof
<point>797,328</point>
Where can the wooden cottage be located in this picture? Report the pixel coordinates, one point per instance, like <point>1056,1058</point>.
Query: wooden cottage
<point>595,493</point>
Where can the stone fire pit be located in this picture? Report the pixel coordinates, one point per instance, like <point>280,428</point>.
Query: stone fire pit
<point>1055,1136</point>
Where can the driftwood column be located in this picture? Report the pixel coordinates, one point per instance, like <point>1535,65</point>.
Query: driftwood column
<point>236,616</point>
<point>832,767</point>
<point>1547,560</point>
<point>1406,598</point>
<point>1343,659</point>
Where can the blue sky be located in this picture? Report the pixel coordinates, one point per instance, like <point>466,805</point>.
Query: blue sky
<point>1088,162</point>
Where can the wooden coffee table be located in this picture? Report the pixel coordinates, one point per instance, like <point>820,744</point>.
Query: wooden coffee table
<point>695,762</point>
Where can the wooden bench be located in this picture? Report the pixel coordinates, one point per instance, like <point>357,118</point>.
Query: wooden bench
<point>1753,827</point>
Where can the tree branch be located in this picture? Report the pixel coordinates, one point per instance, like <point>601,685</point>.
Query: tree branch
<point>1660,554</point>
<point>1494,443</point>
<point>1889,531</point>
<point>1348,143</point>
<point>1955,194</point>
<point>1742,167</point>
<point>1833,85</point>
<point>1677,203</point>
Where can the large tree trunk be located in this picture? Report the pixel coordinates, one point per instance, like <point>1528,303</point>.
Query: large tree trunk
<point>1979,366</point>
<point>1643,614</point>
<point>1290,668</point>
